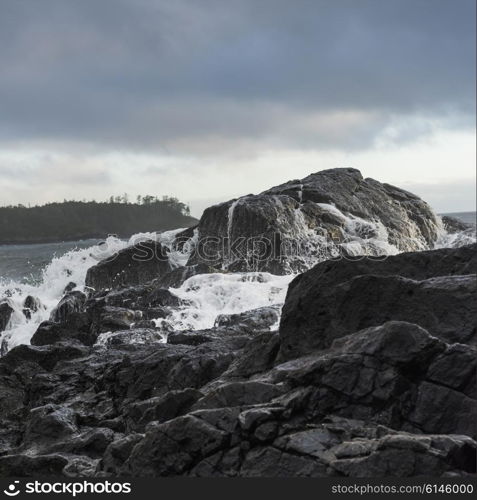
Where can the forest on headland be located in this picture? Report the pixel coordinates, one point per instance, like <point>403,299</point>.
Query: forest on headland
<point>76,220</point>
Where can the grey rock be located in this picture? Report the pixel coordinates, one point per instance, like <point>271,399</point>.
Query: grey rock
<point>337,298</point>
<point>31,305</point>
<point>135,265</point>
<point>249,234</point>
<point>6,311</point>
<point>72,302</point>
<point>256,319</point>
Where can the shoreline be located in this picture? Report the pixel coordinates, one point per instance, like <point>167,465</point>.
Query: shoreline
<point>46,241</point>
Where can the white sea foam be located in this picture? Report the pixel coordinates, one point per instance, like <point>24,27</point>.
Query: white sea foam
<point>454,240</point>
<point>208,295</point>
<point>205,296</point>
<point>71,267</point>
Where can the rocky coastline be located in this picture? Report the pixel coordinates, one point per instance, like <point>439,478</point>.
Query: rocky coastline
<point>368,369</point>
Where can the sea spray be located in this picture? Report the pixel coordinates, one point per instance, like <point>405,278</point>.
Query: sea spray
<point>56,276</point>
<point>204,296</point>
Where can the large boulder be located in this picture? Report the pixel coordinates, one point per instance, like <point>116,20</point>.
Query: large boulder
<point>134,265</point>
<point>76,328</point>
<point>6,311</point>
<point>390,374</point>
<point>434,289</point>
<point>290,227</point>
<point>72,302</point>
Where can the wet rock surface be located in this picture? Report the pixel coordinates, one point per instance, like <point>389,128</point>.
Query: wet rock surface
<point>338,297</point>
<point>134,265</point>
<point>6,311</point>
<point>372,373</point>
<point>263,232</point>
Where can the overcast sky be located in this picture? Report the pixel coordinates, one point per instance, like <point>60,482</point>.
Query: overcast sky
<point>210,99</point>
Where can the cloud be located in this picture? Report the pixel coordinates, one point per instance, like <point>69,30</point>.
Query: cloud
<point>215,77</point>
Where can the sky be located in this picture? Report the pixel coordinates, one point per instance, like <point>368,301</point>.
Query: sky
<point>207,100</point>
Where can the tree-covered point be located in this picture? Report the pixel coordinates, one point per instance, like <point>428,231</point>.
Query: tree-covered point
<point>75,220</point>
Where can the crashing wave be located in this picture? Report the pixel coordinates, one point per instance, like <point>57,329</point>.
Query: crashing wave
<point>205,296</point>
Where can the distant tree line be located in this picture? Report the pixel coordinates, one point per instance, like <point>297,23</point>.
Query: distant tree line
<point>74,220</point>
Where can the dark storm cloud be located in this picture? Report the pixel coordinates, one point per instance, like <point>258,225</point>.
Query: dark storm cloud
<point>180,74</point>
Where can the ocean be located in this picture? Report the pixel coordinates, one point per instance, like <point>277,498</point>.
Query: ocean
<point>468,217</point>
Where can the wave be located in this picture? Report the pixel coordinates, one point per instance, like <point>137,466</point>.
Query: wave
<point>204,296</point>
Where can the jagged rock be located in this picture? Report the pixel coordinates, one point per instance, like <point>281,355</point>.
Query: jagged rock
<point>118,452</point>
<point>69,287</point>
<point>393,399</point>
<point>136,335</point>
<point>453,225</point>
<point>380,374</point>
<point>28,466</point>
<point>117,318</point>
<point>77,327</point>
<point>134,265</point>
<point>254,320</point>
<point>238,394</point>
<point>140,298</point>
<point>339,297</point>
<point>160,409</point>
<point>72,302</point>
<point>258,355</point>
<point>262,232</point>
<point>404,455</point>
<point>176,277</point>
<point>6,311</point>
<point>50,422</point>
<point>172,447</point>
<point>80,467</point>
<point>31,305</point>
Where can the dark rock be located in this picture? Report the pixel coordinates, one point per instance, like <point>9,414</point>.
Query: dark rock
<point>50,422</point>
<point>116,318</point>
<point>160,297</point>
<point>238,394</point>
<point>336,298</point>
<point>403,455</point>
<point>380,375</point>
<point>31,305</point>
<point>118,452</point>
<point>136,335</point>
<point>135,265</point>
<point>257,356</point>
<point>257,319</point>
<point>176,277</point>
<point>252,233</point>
<point>237,339</point>
<point>72,302</point>
<point>6,311</point>
<point>453,225</point>
<point>77,327</point>
<point>30,466</point>
<point>160,409</point>
<point>69,287</point>
<point>352,393</point>
<point>171,448</point>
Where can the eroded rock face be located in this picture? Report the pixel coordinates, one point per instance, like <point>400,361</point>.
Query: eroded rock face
<point>366,390</point>
<point>134,265</point>
<point>434,289</point>
<point>6,311</point>
<point>289,227</point>
<point>72,302</point>
<point>453,225</point>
